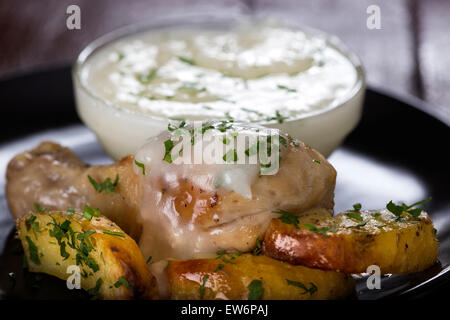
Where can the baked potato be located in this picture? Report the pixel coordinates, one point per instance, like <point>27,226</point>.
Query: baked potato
<point>351,241</point>
<point>253,277</point>
<point>110,262</point>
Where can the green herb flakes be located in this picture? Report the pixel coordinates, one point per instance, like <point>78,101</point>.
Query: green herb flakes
<point>122,282</point>
<point>310,290</point>
<point>202,286</point>
<point>107,185</point>
<point>220,266</point>
<point>258,248</point>
<point>322,231</point>
<point>89,212</point>
<point>255,290</point>
<point>34,253</point>
<point>140,165</point>
<point>38,208</point>
<point>187,60</point>
<point>288,218</point>
<point>114,233</point>
<point>93,292</point>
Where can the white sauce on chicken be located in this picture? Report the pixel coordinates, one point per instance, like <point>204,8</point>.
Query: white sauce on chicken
<point>171,188</point>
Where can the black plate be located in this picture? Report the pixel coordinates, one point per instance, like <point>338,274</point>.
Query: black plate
<point>394,154</point>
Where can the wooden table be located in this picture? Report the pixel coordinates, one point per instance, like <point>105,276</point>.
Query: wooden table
<point>409,54</point>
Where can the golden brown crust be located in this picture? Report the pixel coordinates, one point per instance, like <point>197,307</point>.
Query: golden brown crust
<point>117,256</point>
<point>232,280</point>
<point>396,247</point>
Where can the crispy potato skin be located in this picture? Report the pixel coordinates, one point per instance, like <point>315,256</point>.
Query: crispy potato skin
<point>231,282</point>
<point>116,256</point>
<point>396,247</point>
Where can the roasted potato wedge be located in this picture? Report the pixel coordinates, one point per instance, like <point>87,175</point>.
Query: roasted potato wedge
<point>111,264</point>
<point>354,240</point>
<point>253,277</point>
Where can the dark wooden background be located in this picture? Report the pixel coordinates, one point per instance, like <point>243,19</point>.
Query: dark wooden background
<point>410,54</point>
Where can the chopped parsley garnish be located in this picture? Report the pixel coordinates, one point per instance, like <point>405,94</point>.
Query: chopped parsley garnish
<point>114,233</point>
<point>122,282</point>
<point>140,165</point>
<point>322,231</point>
<point>288,218</point>
<point>38,208</point>
<point>223,126</point>
<point>222,255</point>
<point>298,284</point>
<point>253,111</point>
<point>228,115</point>
<point>278,117</point>
<point>255,290</point>
<point>280,86</point>
<point>253,149</point>
<point>316,161</point>
<point>202,287</point>
<point>168,144</point>
<point>70,210</point>
<point>191,88</point>
<point>398,210</point>
<point>59,232</point>
<point>230,156</point>
<point>32,223</point>
<point>187,60</point>
<point>107,185</point>
<point>146,78</point>
<point>89,212</point>
<point>34,254</point>
<point>362,224</point>
<point>171,127</point>
<point>258,248</point>
<point>219,267</point>
<point>82,256</point>
<point>354,215</point>
<point>376,214</point>
<point>93,292</point>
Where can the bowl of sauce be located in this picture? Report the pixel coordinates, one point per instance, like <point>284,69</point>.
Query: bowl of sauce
<point>130,83</point>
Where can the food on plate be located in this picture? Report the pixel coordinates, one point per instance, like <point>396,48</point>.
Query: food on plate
<point>301,81</point>
<point>110,263</point>
<point>253,277</point>
<point>183,210</point>
<point>401,242</point>
<point>55,178</point>
<point>220,210</point>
